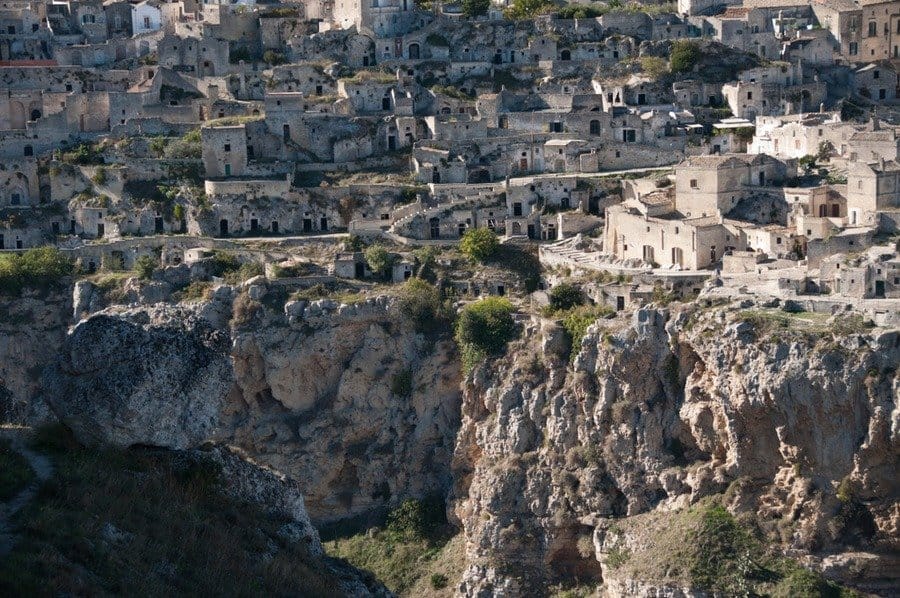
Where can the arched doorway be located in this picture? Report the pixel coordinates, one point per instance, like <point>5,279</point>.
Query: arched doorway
<point>565,55</point>
<point>35,114</point>
<point>413,51</point>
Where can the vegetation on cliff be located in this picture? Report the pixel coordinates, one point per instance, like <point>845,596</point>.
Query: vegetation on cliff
<point>413,553</point>
<point>707,548</point>
<point>35,268</point>
<point>146,522</point>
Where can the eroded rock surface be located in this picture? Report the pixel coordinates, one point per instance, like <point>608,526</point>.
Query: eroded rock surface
<point>659,412</point>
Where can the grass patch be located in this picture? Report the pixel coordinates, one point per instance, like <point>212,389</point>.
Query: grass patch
<point>706,548</point>
<point>148,523</point>
<point>15,473</point>
<point>577,320</point>
<point>402,554</point>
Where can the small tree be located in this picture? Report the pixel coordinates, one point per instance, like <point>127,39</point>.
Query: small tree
<point>478,244</point>
<point>483,328</point>
<point>685,54</point>
<point>379,260</point>
<point>475,8</point>
<point>145,266</point>
<point>526,9</point>
<point>565,296</point>
<point>807,163</point>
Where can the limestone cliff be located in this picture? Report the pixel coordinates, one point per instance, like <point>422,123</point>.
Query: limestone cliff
<point>661,411</point>
<point>347,400</point>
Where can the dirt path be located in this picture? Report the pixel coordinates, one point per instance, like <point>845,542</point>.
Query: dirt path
<point>43,470</point>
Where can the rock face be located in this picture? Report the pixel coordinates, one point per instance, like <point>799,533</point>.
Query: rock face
<point>659,412</point>
<point>124,381</point>
<point>32,328</point>
<point>347,400</point>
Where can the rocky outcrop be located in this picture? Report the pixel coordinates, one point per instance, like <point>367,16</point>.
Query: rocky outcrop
<point>658,412</point>
<point>347,400</point>
<point>124,381</point>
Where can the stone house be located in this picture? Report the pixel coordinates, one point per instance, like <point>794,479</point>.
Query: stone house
<point>197,57</point>
<point>774,90</point>
<point>709,185</point>
<point>145,17</point>
<point>383,18</point>
<point>880,33</point>
<point>651,231</point>
<point>797,135</point>
<point>811,47</point>
<point>876,82</point>
<point>872,187</point>
<point>744,28</point>
<point>224,150</point>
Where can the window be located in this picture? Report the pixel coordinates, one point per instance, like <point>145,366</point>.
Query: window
<point>854,49</point>
<point>749,95</point>
<point>694,184</point>
<point>873,29</point>
<point>882,94</point>
<point>227,147</point>
<point>146,22</point>
<point>876,74</point>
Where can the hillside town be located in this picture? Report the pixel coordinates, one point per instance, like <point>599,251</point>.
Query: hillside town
<point>708,146</point>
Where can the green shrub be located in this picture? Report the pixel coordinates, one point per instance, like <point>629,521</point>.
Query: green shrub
<point>401,385</point>
<point>274,58</point>
<point>527,9</point>
<point>722,547</point>
<point>415,519</point>
<point>223,262</point>
<point>478,244</point>
<point>145,266</point>
<point>379,260</point>
<point>578,320</point>
<point>246,271</point>
<point>100,176</point>
<point>654,66</point>
<point>439,581</point>
<point>83,154</point>
<point>578,11</point>
<point>420,303</point>
<point>685,54</point>
<point>36,268</point>
<point>565,296</point>
<point>475,8</point>
<point>484,328</point>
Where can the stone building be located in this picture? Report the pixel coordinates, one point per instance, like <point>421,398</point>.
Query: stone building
<point>224,151</point>
<point>872,187</point>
